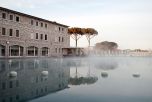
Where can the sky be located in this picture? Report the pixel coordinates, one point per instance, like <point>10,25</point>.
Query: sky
<point>126,22</point>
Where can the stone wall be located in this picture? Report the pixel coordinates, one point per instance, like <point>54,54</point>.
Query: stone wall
<point>28,32</point>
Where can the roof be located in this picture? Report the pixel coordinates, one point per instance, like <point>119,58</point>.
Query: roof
<point>73,48</point>
<point>34,17</point>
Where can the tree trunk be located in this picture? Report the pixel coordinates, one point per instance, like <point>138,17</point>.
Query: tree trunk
<point>89,41</point>
<point>76,43</point>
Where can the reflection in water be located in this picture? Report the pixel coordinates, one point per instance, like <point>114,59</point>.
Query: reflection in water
<point>104,74</point>
<point>77,78</point>
<point>31,78</point>
<point>83,80</point>
<point>137,75</point>
<point>13,74</point>
<point>106,64</point>
<point>36,78</point>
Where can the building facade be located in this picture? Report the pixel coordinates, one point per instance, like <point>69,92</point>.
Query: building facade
<point>23,35</point>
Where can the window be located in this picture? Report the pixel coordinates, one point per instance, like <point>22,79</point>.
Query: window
<point>37,79</point>
<point>2,53</point>
<point>59,39</point>
<point>17,19</point>
<point>41,36</point>
<point>62,39</point>
<point>37,36</point>
<point>41,24</point>
<point>16,50</point>
<point>17,33</point>
<point>11,32</point>
<point>56,50</point>
<point>3,100</point>
<point>62,29</point>
<point>4,15</point>
<point>17,83</point>
<point>11,84</point>
<point>59,28</point>
<point>3,31</point>
<point>62,50</point>
<point>45,51</point>
<point>41,88</point>
<point>3,85</point>
<point>32,51</point>
<point>45,25</point>
<point>45,37</point>
<point>37,24</point>
<point>11,17</point>
<point>37,91</point>
<point>11,99</point>
<point>59,50</point>
<point>17,97</point>
<point>31,22</point>
<point>45,88</point>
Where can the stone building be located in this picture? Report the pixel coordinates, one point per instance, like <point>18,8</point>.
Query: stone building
<point>23,35</point>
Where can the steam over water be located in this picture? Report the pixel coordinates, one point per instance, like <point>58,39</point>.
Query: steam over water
<point>92,79</point>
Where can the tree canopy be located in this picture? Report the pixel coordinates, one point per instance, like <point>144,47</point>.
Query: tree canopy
<point>75,30</point>
<point>105,45</point>
<point>76,33</point>
<point>82,31</point>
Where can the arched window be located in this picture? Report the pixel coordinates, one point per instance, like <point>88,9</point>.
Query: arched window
<point>2,50</point>
<point>32,51</point>
<point>45,51</point>
<point>16,50</point>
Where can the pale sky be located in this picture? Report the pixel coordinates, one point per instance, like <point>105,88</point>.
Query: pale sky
<point>126,22</point>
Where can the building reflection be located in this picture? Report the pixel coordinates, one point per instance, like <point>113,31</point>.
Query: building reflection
<point>30,82</point>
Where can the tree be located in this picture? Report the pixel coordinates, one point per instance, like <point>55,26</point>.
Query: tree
<point>105,45</point>
<point>90,33</point>
<point>76,33</point>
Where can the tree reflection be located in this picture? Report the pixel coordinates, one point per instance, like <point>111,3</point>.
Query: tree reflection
<point>83,80</point>
<point>78,79</point>
<point>104,74</point>
<point>106,65</point>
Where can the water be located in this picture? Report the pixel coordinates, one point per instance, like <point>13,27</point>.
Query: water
<point>93,79</point>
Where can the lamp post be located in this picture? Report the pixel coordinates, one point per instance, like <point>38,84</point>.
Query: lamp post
<point>7,51</point>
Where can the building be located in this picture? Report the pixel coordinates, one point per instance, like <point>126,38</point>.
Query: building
<point>23,35</point>
<point>74,51</point>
